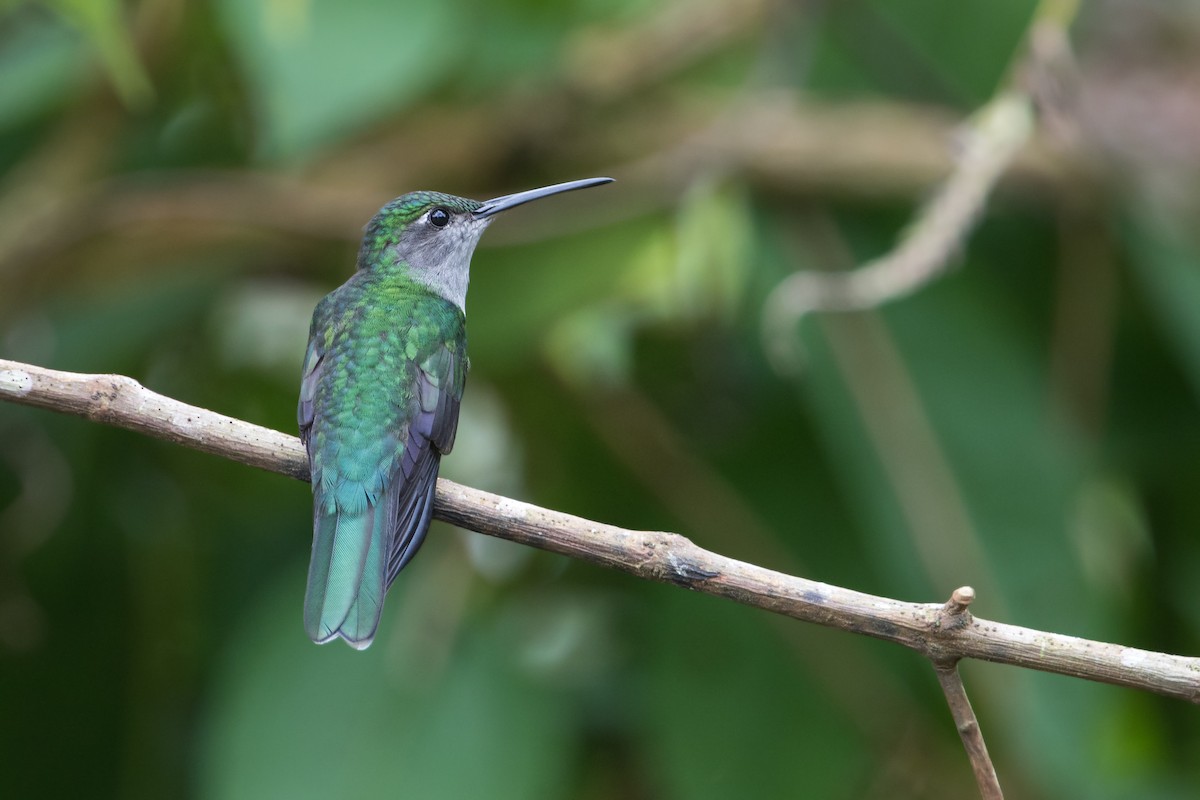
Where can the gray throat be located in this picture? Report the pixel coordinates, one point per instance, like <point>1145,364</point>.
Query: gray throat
<point>442,261</point>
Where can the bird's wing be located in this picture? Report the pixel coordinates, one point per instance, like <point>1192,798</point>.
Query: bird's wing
<point>314,359</point>
<point>440,380</point>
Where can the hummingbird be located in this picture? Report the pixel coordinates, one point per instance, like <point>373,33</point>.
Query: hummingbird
<point>382,381</point>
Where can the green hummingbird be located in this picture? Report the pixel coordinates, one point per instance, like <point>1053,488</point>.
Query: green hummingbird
<point>382,382</point>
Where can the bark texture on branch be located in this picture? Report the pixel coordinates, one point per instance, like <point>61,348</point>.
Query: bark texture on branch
<point>940,633</point>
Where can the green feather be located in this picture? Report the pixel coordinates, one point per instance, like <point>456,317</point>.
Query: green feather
<point>378,406</point>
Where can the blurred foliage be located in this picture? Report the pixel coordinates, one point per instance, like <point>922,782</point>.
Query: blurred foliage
<point>181,181</point>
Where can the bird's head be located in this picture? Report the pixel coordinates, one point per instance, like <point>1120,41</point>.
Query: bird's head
<point>434,234</point>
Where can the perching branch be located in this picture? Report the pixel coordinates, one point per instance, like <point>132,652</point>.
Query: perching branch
<point>663,557</point>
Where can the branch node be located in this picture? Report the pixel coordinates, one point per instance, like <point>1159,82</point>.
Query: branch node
<point>960,598</point>
<point>952,617</point>
<point>667,556</point>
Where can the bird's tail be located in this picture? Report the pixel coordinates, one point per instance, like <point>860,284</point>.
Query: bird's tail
<point>357,553</point>
<point>346,575</point>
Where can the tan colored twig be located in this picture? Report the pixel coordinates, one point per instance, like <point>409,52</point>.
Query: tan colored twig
<point>992,140</point>
<point>955,614</point>
<point>1001,129</point>
<point>653,555</point>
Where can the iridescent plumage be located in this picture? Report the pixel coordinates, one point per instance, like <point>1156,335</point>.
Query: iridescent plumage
<point>382,381</point>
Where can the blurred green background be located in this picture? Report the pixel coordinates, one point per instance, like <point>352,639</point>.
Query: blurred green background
<point>181,181</point>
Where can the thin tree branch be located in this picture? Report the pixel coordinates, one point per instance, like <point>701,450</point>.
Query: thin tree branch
<point>653,555</point>
<point>999,132</point>
<point>995,136</point>
<point>968,729</point>
<point>960,706</point>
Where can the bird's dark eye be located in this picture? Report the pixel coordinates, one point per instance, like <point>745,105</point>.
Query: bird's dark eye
<point>439,218</point>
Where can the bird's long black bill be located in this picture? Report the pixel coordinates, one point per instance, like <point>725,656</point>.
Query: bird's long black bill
<point>498,204</point>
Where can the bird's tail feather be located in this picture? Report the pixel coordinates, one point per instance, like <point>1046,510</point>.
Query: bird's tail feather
<point>356,557</point>
<point>345,576</point>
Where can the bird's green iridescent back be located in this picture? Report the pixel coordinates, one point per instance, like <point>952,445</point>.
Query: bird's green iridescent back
<point>374,344</point>
<point>384,376</point>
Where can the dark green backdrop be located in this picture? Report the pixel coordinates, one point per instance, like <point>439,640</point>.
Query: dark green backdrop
<point>181,181</point>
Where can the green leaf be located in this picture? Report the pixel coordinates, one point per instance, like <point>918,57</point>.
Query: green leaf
<point>729,713</point>
<point>1168,267</point>
<point>291,719</point>
<point>40,61</point>
<point>103,22</point>
<point>321,69</point>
